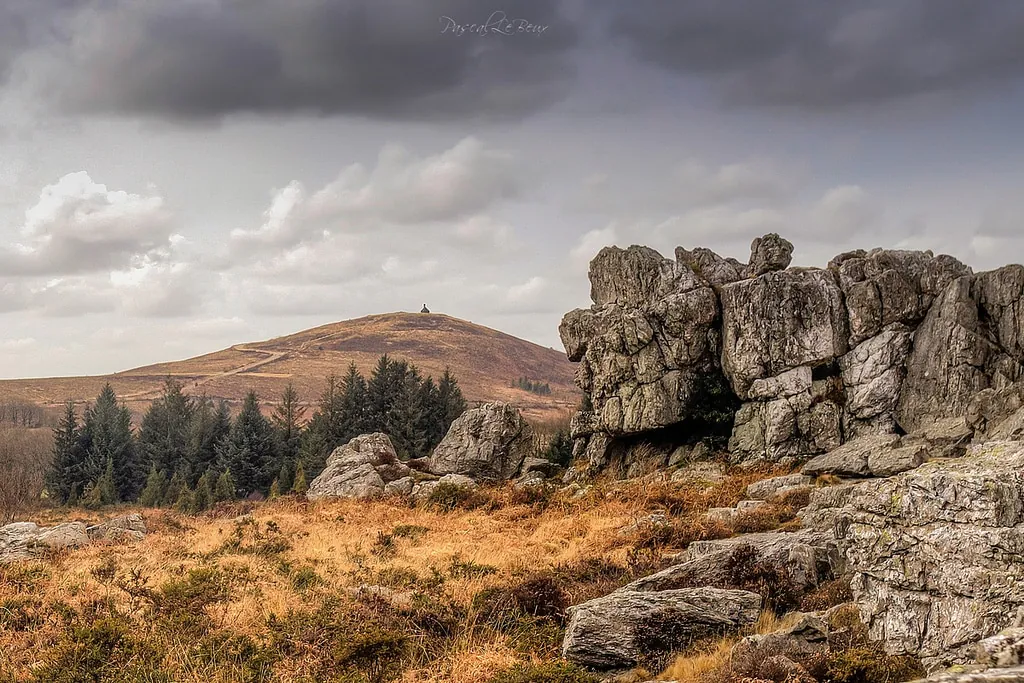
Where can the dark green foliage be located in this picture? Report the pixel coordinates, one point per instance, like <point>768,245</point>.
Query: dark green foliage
<point>713,408</point>
<point>286,420</point>
<point>70,471</point>
<point>207,431</point>
<point>299,485</point>
<point>249,451</point>
<point>533,386</point>
<point>559,449</point>
<point>174,489</point>
<point>224,488</point>
<point>100,650</point>
<point>107,433</point>
<point>164,434</point>
<point>156,485</point>
<point>447,497</point>
<point>547,672</point>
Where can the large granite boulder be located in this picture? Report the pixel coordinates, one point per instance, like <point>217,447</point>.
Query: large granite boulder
<point>778,322</point>
<point>618,630</point>
<point>937,553</point>
<point>124,528</point>
<point>29,541</point>
<point>361,468</point>
<point>769,254</point>
<point>488,443</point>
<point>645,343</point>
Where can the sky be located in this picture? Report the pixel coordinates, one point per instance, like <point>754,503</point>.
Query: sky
<point>177,177</point>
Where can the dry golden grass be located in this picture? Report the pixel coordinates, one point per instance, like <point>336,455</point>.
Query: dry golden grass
<point>485,361</point>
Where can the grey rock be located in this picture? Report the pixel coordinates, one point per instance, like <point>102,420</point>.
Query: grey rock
<point>488,443</point>
<point>680,456</point>
<point>890,461</point>
<point>1004,649</point>
<point>947,364</point>
<point>766,488</point>
<point>710,266</point>
<point>745,506</point>
<point>531,480</point>
<point>935,553</point>
<point>359,469</point>
<point>851,459</point>
<point>808,636</point>
<point>542,465</point>
<point>28,541</point>
<point>873,372</point>
<point>1010,675</point>
<point>399,487</point>
<point>125,528</point>
<point>768,254</point>
<point>700,473</point>
<point>422,490</point>
<point>615,631</point>
<point>778,322</point>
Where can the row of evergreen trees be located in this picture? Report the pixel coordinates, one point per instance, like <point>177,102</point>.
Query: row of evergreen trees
<point>189,452</point>
<point>534,386</point>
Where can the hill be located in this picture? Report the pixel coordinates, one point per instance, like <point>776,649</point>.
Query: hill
<point>486,362</point>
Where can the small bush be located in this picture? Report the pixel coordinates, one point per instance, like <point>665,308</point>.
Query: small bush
<point>305,578</point>
<point>448,497</point>
<point>468,569</point>
<point>100,651</point>
<point>548,672</point>
<point>411,531</point>
<point>865,664</point>
<point>385,546</point>
<point>748,571</point>
<point>826,595</point>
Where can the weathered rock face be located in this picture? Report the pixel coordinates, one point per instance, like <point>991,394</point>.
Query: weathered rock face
<point>879,342</point>
<point>362,468</point>
<point>937,553</point>
<point>489,443</point>
<point>29,541</point>
<point>615,631</point>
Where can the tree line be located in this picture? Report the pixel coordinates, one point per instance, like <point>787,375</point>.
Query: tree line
<point>189,452</point>
<point>533,386</point>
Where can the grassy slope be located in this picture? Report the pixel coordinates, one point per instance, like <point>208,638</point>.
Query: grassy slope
<point>485,361</point>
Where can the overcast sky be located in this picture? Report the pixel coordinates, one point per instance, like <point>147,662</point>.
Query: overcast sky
<point>176,177</point>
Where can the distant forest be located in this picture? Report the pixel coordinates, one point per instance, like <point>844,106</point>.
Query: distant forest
<point>534,387</point>
<point>190,453</point>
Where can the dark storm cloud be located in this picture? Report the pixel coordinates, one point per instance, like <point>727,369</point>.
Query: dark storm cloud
<point>815,54</point>
<point>384,58</point>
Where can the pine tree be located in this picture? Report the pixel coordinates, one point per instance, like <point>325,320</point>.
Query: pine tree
<point>153,493</point>
<point>107,433</point>
<point>204,495</point>
<point>186,502</point>
<point>286,477</point>
<point>249,449</point>
<point>207,430</point>
<point>174,488</point>
<point>325,428</point>
<point>107,486</point>
<point>164,433</point>
<point>224,488</point>
<point>450,404</point>
<point>353,409</point>
<point>275,490</point>
<point>300,486</point>
<point>91,499</point>
<point>69,471</point>
<point>287,418</point>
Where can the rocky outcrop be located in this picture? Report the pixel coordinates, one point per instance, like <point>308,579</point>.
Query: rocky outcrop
<point>29,541</point>
<point>937,553</point>
<point>801,359</point>
<point>618,630</point>
<point>361,468</point>
<point>489,443</point>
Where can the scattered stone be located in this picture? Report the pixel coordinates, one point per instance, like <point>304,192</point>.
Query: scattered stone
<point>399,487</point>
<point>653,521</point>
<point>766,488</point>
<point>887,462</point>
<point>745,506</point>
<point>542,465</point>
<point>359,469</point>
<point>701,473</point>
<point>125,528</point>
<point>489,443</point>
<point>614,632</point>
<point>29,541</point>
<point>808,636</point>
<point>851,459</point>
<point>1011,675</point>
<point>423,489</point>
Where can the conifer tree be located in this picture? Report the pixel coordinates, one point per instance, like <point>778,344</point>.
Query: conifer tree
<point>300,486</point>
<point>249,449</point>
<point>224,488</point>
<point>204,495</point>
<point>69,471</point>
<point>106,485</point>
<point>208,428</point>
<point>107,433</point>
<point>287,422</point>
<point>174,488</point>
<point>275,490</point>
<point>153,493</point>
<point>163,435</point>
<point>186,502</point>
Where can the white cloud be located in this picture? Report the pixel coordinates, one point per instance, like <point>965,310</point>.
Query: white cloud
<point>589,244</point>
<point>81,226</point>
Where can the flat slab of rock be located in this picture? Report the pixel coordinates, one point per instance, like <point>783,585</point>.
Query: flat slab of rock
<point>1010,675</point>
<point>125,528</point>
<point>359,469</point>
<point>614,632</point>
<point>29,541</point>
<point>424,489</point>
<point>766,488</point>
<point>851,459</point>
<point>887,462</point>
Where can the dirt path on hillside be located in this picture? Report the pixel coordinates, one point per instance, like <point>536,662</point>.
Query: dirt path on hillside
<point>270,357</point>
